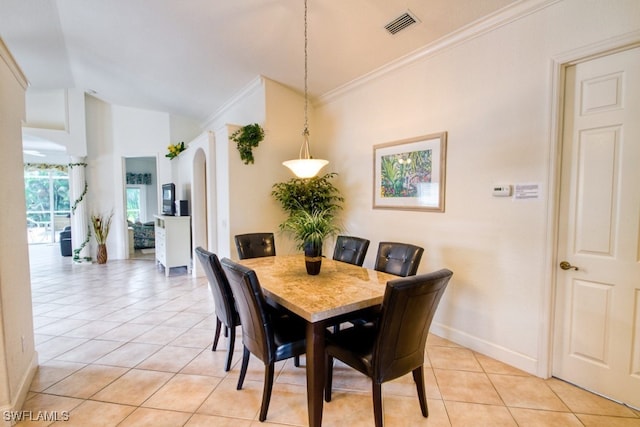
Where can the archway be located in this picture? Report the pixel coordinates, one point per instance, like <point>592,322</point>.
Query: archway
<point>199,206</point>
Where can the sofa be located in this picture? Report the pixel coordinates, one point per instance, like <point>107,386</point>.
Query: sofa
<point>144,234</point>
<point>65,241</point>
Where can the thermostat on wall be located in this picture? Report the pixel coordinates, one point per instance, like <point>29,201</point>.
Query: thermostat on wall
<point>501,190</point>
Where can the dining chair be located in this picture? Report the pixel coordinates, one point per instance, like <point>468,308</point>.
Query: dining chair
<point>394,345</point>
<point>400,259</point>
<point>255,245</point>
<point>225,307</point>
<point>350,249</point>
<point>269,337</point>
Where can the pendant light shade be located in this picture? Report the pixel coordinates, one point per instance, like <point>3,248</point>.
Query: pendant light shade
<point>305,166</point>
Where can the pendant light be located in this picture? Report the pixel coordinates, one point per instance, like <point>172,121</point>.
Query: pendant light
<point>305,166</point>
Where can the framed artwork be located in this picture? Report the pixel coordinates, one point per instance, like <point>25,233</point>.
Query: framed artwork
<point>410,174</point>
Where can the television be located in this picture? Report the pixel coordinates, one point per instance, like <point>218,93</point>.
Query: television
<point>168,199</point>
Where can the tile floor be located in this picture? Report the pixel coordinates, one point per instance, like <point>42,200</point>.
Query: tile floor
<point>122,345</point>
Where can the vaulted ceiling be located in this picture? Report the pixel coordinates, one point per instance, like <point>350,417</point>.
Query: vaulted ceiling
<point>189,57</point>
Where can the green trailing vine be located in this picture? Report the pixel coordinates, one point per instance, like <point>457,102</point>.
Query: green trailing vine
<point>74,206</point>
<point>76,252</point>
<point>79,199</point>
<point>47,166</point>
<point>247,138</point>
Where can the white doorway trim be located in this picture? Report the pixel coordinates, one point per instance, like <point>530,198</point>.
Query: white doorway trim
<point>558,67</point>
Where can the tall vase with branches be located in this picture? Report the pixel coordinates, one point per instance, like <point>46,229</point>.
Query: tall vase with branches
<point>101,226</point>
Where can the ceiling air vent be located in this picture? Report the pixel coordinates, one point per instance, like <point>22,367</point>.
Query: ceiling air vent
<point>401,22</point>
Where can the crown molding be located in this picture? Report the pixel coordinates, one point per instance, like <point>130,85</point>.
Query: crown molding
<point>482,26</point>
<point>255,84</point>
<point>8,59</point>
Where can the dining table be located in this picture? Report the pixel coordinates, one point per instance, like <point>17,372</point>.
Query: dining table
<point>337,293</point>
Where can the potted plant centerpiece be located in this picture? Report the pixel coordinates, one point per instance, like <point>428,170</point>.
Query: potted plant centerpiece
<point>310,229</point>
<point>311,205</point>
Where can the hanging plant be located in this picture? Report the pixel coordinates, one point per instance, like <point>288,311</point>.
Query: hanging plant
<point>247,138</point>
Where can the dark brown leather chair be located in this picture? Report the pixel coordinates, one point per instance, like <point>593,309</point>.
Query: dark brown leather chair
<point>351,249</point>
<point>255,245</point>
<point>270,338</point>
<point>395,344</point>
<point>223,299</point>
<point>401,259</point>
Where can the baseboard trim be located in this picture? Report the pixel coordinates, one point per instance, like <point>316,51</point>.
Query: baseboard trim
<point>17,403</point>
<point>493,350</point>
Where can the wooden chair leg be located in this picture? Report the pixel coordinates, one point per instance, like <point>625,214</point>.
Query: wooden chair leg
<point>232,340</point>
<point>329,378</point>
<point>418,378</point>
<point>243,369</point>
<point>217,334</point>
<point>266,393</point>
<point>377,403</point>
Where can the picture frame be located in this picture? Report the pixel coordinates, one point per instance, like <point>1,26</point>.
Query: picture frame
<point>410,174</point>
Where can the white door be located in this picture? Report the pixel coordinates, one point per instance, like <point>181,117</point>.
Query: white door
<point>597,323</point>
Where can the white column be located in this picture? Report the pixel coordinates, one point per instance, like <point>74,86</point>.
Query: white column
<point>79,218</point>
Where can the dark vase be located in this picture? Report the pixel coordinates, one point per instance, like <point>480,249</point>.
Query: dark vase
<point>313,258</point>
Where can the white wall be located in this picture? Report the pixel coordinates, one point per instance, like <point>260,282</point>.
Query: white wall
<point>58,116</point>
<point>492,93</point>
<point>18,358</point>
<point>113,133</point>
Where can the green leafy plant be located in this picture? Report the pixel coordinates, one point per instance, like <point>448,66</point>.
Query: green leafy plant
<point>308,194</point>
<point>311,205</point>
<point>310,228</point>
<point>247,138</point>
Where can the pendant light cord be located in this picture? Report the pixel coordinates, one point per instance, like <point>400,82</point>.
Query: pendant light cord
<point>304,150</point>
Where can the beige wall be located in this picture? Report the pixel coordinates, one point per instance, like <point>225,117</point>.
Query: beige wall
<point>18,359</point>
<point>239,197</point>
<point>492,92</point>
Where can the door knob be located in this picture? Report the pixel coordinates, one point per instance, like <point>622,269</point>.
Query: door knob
<point>567,266</point>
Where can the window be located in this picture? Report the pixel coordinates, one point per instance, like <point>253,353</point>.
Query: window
<point>136,198</point>
<point>47,204</point>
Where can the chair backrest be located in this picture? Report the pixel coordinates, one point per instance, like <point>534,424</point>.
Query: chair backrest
<point>219,285</point>
<point>401,259</point>
<point>408,308</point>
<point>255,245</point>
<point>351,249</point>
<point>257,330</point>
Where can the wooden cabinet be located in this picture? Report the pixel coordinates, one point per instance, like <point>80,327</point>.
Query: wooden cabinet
<point>173,241</point>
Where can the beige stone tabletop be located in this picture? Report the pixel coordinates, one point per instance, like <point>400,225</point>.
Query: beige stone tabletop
<point>339,288</point>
